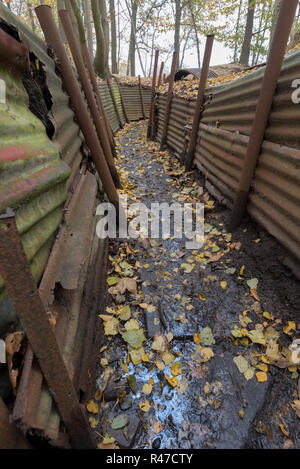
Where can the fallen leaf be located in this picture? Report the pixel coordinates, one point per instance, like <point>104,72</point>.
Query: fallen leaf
<point>261,376</point>
<point>172,381</point>
<point>119,422</point>
<point>134,338</point>
<point>125,284</point>
<point>157,428</point>
<point>182,385</point>
<point>147,388</point>
<point>111,327</point>
<point>92,407</point>
<point>160,343</point>
<point>252,283</point>
<point>207,337</point>
<point>112,281</point>
<point>132,325</point>
<point>145,406</point>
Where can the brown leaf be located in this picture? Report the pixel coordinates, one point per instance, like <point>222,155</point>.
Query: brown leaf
<point>15,350</point>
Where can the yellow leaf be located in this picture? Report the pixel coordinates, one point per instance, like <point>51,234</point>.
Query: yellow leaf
<point>92,407</point>
<point>197,338</point>
<point>160,343</point>
<point>93,422</point>
<point>160,365</point>
<point>145,406</point>
<point>176,369</point>
<point>147,388</point>
<point>202,296</point>
<point>223,285</point>
<point>262,367</point>
<point>183,385</point>
<point>111,327</point>
<point>284,431</point>
<point>172,381</point>
<point>157,427</point>
<point>242,270</point>
<point>168,358</point>
<point>261,376</point>
<point>290,327</point>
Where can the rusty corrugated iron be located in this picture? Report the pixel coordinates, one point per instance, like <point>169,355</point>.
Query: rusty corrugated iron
<point>33,182</point>
<point>132,99</point>
<point>66,131</point>
<point>109,107</point>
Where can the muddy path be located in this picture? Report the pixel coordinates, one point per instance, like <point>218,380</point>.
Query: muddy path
<point>196,343</point>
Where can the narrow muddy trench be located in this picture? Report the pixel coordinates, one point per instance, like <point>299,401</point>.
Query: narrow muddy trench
<point>196,349</point>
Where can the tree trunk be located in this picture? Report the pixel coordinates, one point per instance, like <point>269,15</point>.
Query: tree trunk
<point>112,11</point>
<point>276,9</point>
<point>88,26</point>
<point>101,58</point>
<point>196,33</point>
<point>245,54</point>
<point>29,8</point>
<point>178,11</point>
<point>237,31</point>
<point>132,44</point>
<point>76,20</point>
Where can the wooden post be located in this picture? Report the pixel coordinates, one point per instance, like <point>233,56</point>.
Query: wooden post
<point>160,77</point>
<point>280,39</point>
<point>169,100</point>
<point>142,98</point>
<point>122,102</point>
<point>114,101</point>
<point>198,109</point>
<point>151,116</point>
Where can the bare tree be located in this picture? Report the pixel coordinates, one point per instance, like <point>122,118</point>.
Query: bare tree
<point>178,12</point>
<point>113,28</point>
<point>88,25</point>
<point>245,54</point>
<point>102,37</point>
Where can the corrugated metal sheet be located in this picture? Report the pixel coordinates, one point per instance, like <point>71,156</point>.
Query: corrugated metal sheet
<point>275,199</point>
<point>117,95</point>
<point>232,106</point>
<point>109,107</point>
<point>67,133</point>
<point>219,155</point>
<point>181,113</point>
<point>132,100</point>
<point>33,182</point>
<point>147,100</point>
